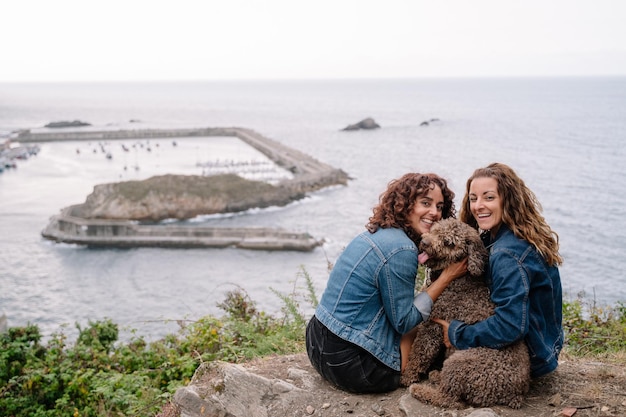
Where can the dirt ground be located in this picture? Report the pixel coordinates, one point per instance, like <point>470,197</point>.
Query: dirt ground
<point>579,387</point>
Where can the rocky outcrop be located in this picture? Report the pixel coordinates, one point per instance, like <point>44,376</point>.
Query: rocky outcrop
<point>231,390</point>
<point>65,123</point>
<point>367,123</point>
<point>428,122</point>
<point>288,386</point>
<point>180,197</point>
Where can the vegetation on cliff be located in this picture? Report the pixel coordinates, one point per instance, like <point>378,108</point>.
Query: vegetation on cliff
<point>181,197</point>
<point>99,376</point>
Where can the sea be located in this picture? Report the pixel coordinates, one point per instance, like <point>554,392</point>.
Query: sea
<point>566,137</point>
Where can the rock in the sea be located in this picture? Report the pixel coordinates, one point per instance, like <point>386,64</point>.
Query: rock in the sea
<point>181,197</point>
<point>65,123</point>
<point>428,122</point>
<point>367,123</point>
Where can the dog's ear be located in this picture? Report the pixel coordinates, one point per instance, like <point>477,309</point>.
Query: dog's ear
<point>477,255</point>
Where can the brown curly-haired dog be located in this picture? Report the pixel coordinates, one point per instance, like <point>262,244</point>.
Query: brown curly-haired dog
<point>479,376</point>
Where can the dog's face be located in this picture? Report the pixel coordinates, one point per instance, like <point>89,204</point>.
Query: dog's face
<point>450,241</point>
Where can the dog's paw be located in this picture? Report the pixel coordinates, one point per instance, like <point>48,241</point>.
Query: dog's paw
<point>434,376</point>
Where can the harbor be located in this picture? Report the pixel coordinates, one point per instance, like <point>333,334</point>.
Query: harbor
<point>309,175</point>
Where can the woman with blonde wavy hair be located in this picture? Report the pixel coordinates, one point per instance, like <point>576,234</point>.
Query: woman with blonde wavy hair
<point>523,270</point>
<point>364,325</point>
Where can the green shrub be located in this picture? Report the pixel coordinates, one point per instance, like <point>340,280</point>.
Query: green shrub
<point>594,330</point>
<point>97,376</point>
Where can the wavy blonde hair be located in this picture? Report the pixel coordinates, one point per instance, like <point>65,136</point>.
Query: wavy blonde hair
<point>521,211</point>
<point>398,200</point>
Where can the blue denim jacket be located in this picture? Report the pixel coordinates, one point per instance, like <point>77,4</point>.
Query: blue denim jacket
<point>529,304</point>
<point>369,297</point>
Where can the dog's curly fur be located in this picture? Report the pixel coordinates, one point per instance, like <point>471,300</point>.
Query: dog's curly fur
<point>479,376</point>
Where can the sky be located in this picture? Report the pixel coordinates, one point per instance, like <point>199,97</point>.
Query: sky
<point>154,40</point>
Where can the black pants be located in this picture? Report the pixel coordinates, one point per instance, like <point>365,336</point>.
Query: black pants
<point>345,364</point>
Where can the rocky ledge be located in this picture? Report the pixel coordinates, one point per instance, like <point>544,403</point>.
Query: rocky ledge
<point>180,197</point>
<point>281,386</point>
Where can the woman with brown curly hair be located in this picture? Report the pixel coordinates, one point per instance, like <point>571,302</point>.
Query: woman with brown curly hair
<point>361,332</point>
<point>523,270</point>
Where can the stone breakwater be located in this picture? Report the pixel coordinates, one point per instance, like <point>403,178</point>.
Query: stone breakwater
<point>309,175</point>
<point>124,234</point>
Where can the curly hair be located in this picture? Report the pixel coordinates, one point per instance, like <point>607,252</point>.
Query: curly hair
<point>521,211</point>
<point>397,202</point>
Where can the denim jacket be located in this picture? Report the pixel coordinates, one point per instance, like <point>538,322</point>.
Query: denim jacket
<point>528,298</point>
<point>369,297</point>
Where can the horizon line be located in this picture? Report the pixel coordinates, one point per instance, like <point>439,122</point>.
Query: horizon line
<point>407,78</point>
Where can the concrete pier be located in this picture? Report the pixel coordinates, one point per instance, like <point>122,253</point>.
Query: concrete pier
<point>309,175</point>
<point>124,234</point>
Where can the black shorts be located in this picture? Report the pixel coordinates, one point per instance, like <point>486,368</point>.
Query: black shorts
<point>346,365</point>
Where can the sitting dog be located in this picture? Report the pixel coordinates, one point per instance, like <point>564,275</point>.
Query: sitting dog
<point>479,376</point>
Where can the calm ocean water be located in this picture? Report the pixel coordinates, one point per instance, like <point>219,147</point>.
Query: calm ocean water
<point>565,137</point>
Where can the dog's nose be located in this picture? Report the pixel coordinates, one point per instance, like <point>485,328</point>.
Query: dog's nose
<point>425,241</point>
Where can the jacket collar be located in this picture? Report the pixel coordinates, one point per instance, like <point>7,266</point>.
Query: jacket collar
<point>488,241</point>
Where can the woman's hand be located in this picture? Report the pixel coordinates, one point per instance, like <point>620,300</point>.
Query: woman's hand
<point>446,326</point>
<point>455,270</point>
<point>452,272</point>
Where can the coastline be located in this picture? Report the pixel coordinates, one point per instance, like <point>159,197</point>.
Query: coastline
<point>309,175</point>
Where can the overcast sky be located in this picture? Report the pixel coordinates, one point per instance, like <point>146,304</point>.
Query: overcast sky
<point>91,40</point>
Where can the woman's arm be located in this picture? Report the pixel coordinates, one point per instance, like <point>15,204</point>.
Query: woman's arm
<point>509,292</point>
<point>448,275</point>
<point>424,300</point>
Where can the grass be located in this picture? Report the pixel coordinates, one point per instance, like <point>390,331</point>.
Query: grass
<point>226,186</point>
<point>594,330</point>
